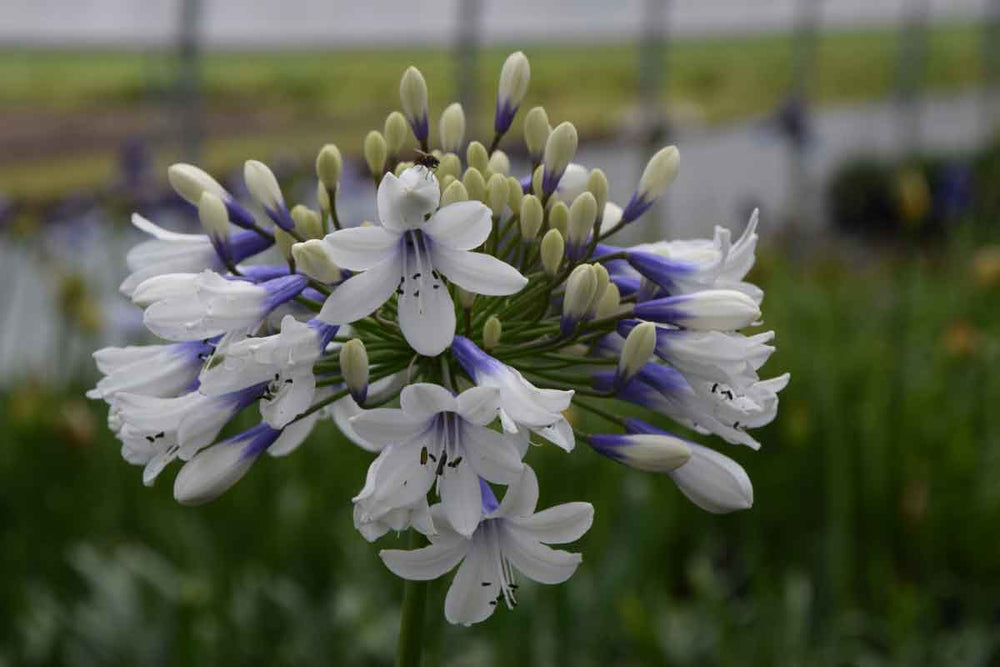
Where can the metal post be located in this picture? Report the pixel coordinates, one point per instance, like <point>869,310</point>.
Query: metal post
<point>794,117</point>
<point>991,69</point>
<point>467,57</point>
<point>652,80</point>
<point>189,102</point>
<point>910,72</point>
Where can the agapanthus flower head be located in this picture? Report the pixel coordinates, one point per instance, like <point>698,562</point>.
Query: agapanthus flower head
<point>461,327</point>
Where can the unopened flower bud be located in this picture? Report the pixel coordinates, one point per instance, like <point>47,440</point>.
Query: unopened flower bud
<point>376,153</point>
<point>354,368</point>
<point>582,216</point>
<point>284,241</point>
<point>597,185</point>
<point>452,128</point>
<point>445,181</point>
<point>214,216</point>
<point>532,216</point>
<point>465,298</point>
<point>652,453</point>
<point>477,157</point>
<point>559,217</point>
<point>496,194</point>
<point>455,192</point>
<point>536,132</point>
<point>536,180</point>
<point>474,184</point>
<point>715,309</point>
<point>323,198</point>
<point>263,187</point>
<point>401,167</point>
<point>603,278</point>
<point>213,470</point>
<point>307,222</point>
<point>660,171</point>
<point>394,131</point>
<point>551,250</point>
<point>580,288</point>
<point>499,163</point>
<point>514,79</point>
<point>329,166</point>
<point>559,151</point>
<point>608,303</point>
<point>514,193</point>
<point>491,332</point>
<point>449,165</point>
<point>190,182</point>
<point>314,259</point>
<point>637,350</point>
<point>413,96</point>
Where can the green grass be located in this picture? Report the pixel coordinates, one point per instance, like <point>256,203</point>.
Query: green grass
<point>872,539</point>
<point>303,99</point>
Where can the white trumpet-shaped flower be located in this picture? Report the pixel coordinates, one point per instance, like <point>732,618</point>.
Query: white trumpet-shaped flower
<point>410,254</point>
<point>510,537</point>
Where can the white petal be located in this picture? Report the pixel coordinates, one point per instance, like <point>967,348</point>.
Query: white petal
<point>401,478</point>
<point>211,473</point>
<point>461,498</point>
<point>460,226</point>
<point>479,405</point>
<point>468,601</point>
<point>111,359</point>
<point>343,411</point>
<point>714,482</point>
<point>424,400</point>
<point>537,561</point>
<point>164,286</point>
<point>403,202</point>
<point>477,272</point>
<point>293,436</point>
<point>521,497</point>
<point>388,426</point>
<point>560,434</point>
<point>556,525</point>
<point>360,295</point>
<point>361,248</point>
<point>494,456</point>
<point>291,400</point>
<point>154,230</point>
<point>427,316</point>
<point>424,564</point>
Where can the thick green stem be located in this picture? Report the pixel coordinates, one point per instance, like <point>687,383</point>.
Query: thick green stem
<point>411,624</point>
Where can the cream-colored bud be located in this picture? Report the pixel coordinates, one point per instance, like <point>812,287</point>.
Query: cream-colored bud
<point>329,166</point>
<point>307,222</point>
<point>395,131</point>
<point>514,79</point>
<point>597,185</point>
<point>323,198</point>
<point>609,302</point>
<point>551,250</point>
<point>354,368</point>
<point>465,299</point>
<point>582,216</point>
<point>536,181</point>
<point>376,153</point>
<point>313,258</point>
<point>559,217</point>
<point>559,152</point>
<point>190,182</point>
<point>413,96</point>
<point>603,280</point>
<point>637,350</point>
<point>491,332</point>
<point>514,194</point>
<point>455,192</point>
<point>262,185</point>
<point>532,216</point>
<point>580,288</point>
<point>475,185</point>
<point>660,172</point>
<point>449,165</point>
<point>213,215</point>
<point>452,127</point>
<point>284,242</point>
<point>536,132</point>
<point>446,180</point>
<point>401,167</point>
<point>477,157</point>
<point>496,194</point>
<point>499,163</point>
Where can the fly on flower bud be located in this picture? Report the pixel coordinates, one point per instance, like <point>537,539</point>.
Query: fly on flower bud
<point>491,332</point>
<point>263,187</point>
<point>608,303</point>
<point>582,215</point>
<point>307,222</point>
<point>536,133</point>
<point>214,217</point>
<point>660,172</point>
<point>714,309</point>
<point>531,217</point>
<point>514,79</point>
<point>354,367</point>
<point>559,152</point>
<point>559,217</point>
<point>637,350</point>
<point>551,250</point>
<point>455,192</point>
<point>376,153</point>
<point>580,288</point>
<point>329,166</point>
<point>452,128</point>
<point>449,165</point>
<point>597,185</point>
<point>475,185</point>
<point>401,167</point>
<point>514,194</point>
<point>413,96</point>
<point>652,453</point>
<point>496,194</point>
<point>313,258</point>
<point>499,163</point>
<point>394,131</point>
<point>477,157</point>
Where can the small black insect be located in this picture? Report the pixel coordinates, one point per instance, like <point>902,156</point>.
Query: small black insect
<point>426,159</point>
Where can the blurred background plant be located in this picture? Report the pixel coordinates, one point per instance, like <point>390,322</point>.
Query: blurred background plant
<point>864,131</point>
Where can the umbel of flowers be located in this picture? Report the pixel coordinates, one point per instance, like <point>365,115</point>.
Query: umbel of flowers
<point>445,337</point>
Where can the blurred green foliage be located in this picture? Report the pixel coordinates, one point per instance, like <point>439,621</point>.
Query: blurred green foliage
<point>872,540</point>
